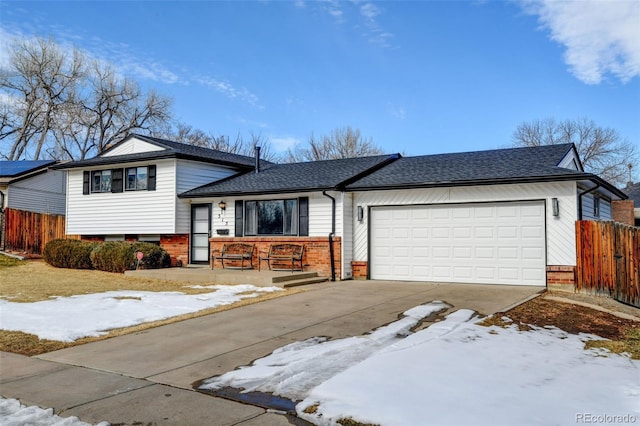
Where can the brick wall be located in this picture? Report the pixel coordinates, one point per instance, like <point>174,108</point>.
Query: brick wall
<point>622,211</point>
<point>177,245</point>
<point>360,269</point>
<point>315,258</point>
<point>561,277</point>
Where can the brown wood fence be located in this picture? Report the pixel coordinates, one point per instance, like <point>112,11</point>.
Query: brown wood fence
<point>28,232</point>
<point>608,260</point>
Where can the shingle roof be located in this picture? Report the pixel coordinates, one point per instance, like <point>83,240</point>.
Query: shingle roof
<point>17,168</point>
<point>294,177</point>
<point>171,150</point>
<point>493,166</point>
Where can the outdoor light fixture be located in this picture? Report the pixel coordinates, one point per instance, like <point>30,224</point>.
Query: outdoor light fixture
<point>555,207</point>
<point>222,205</point>
<point>360,213</point>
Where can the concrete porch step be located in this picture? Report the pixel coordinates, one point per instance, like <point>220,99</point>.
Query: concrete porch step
<point>296,279</point>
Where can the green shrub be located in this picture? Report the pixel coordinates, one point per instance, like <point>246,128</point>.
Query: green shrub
<point>155,257</point>
<point>119,256</point>
<point>63,253</point>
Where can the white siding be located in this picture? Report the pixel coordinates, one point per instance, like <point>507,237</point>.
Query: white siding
<point>570,161</point>
<point>42,193</point>
<point>348,213</point>
<point>561,249</point>
<point>190,175</point>
<point>128,212</point>
<point>132,146</point>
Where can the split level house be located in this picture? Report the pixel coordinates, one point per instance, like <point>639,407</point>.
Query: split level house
<point>504,216</point>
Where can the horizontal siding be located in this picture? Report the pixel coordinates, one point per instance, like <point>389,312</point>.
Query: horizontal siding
<point>561,249</point>
<point>190,175</point>
<point>43,193</point>
<point>587,208</point>
<point>348,217</point>
<point>129,212</point>
<point>132,146</point>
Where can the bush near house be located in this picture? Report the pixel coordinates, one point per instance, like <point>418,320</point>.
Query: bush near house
<point>112,256</point>
<point>73,254</point>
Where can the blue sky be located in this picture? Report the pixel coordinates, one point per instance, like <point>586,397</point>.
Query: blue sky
<point>417,77</point>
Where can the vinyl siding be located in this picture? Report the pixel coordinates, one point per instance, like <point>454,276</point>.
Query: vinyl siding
<point>42,193</point>
<point>192,174</point>
<point>128,212</point>
<point>348,213</point>
<point>561,249</point>
<point>132,146</point>
<point>587,208</point>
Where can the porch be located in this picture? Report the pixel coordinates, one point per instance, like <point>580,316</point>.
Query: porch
<point>202,274</point>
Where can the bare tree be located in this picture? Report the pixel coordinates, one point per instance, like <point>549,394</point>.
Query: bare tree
<point>54,102</point>
<point>342,142</point>
<point>40,80</point>
<point>185,133</point>
<point>603,150</point>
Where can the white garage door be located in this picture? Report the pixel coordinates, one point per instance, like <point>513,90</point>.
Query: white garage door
<point>488,243</point>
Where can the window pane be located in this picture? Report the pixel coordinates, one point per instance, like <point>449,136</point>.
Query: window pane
<point>270,217</point>
<point>141,178</point>
<point>290,219</point>
<point>131,178</point>
<point>250,220</point>
<point>96,182</point>
<point>105,182</point>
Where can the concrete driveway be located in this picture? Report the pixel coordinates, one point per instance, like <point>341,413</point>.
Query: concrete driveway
<point>148,377</point>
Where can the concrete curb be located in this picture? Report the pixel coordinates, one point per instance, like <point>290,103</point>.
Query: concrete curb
<point>596,307</point>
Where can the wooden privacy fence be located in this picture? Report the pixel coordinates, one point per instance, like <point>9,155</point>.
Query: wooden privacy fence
<point>29,232</point>
<point>608,260</point>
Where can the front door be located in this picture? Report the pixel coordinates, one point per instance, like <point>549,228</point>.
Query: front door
<point>200,232</point>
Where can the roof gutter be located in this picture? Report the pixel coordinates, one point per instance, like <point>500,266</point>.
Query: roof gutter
<point>333,231</point>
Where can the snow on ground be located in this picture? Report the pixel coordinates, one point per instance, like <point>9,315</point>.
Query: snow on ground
<point>455,372</point>
<point>69,318</point>
<point>13,413</point>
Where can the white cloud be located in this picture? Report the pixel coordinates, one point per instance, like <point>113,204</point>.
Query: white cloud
<point>601,37</point>
<point>284,143</point>
<point>397,111</point>
<point>230,91</point>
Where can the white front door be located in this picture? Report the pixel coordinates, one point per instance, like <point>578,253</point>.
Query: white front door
<point>488,243</point>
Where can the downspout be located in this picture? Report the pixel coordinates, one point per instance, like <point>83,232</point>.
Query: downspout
<point>333,232</point>
<point>580,195</point>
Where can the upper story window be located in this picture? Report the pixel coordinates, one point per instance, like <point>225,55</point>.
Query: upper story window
<point>137,178</point>
<point>115,180</point>
<point>101,181</point>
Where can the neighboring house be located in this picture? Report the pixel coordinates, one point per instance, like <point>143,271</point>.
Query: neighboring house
<point>503,216</point>
<point>129,192</point>
<point>633,192</point>
<point>32,186</point>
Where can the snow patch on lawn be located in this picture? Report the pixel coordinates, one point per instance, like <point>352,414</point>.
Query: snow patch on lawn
<point>69,318</point>
<point>13,413</point>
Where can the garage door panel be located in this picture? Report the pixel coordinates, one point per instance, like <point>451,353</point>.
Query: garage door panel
<point>501,243</point>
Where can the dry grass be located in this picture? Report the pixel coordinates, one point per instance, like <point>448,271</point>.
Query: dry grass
<point>34,281</point>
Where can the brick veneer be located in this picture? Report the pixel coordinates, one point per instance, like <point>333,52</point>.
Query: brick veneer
<point>316,256</point>
<point>360,269</point>
<point>177,245</point>
<point>622,211</point>
<point>561,277</point>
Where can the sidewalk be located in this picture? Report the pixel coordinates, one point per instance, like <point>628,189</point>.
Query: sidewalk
<point>148,377</point>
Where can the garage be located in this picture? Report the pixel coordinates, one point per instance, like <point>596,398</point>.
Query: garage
<point>480,243</point>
